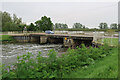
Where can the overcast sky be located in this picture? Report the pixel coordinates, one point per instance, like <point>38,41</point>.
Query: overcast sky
<point>88,13</point>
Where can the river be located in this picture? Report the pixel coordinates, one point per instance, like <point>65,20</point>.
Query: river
<point>11,51</point>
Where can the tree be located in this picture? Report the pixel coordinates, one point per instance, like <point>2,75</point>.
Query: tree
<point>83,27</point>
<point>10,23</point>
<point>113,26</point>
<point>31,27</point>
<point>78,25</point>
<point>57,25</point>
<point>16,20</point>
<point>14,27</point>
<point>103,26</point>
<point>64,26</point>
<point>44,24</point>
<point>119,26</point>
<point>10,27</point>
<point>21,26</point>
<point>86,28</point>
<point>61,26</point>
<point>6,18</point>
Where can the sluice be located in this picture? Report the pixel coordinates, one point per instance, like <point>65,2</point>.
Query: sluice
<point>71,41</point>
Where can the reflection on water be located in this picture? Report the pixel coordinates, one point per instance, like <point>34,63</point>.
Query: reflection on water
<point>11,51</point>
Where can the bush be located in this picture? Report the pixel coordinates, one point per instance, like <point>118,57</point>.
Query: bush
<point>53,66</point>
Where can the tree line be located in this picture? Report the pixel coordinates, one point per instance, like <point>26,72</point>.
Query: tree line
<point>14,23</point>
<point>11,23</point>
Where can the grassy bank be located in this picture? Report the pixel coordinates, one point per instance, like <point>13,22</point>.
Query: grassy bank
<point>101,62</point>
<point>109,41</point>
<point>7,38</point>
<point>65,66</point>
<point>105,68</point>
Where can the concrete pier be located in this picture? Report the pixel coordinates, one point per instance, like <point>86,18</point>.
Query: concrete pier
<point>43,39</point>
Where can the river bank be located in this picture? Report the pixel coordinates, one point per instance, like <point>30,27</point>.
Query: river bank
<point>7,39</point>
<point>57,67</point>
<point>105,68</point>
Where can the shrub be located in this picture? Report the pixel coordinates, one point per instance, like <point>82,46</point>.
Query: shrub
<point>53,66</point>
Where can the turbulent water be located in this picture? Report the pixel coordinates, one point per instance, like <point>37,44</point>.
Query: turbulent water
<point>11,51</point>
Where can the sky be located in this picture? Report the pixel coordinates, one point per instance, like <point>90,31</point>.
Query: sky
<point>87,13</point>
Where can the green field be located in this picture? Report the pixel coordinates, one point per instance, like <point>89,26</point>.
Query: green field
<point>6,38</point>
<point>105,68</point>
<point>0,71</point>
<point>109,41</point>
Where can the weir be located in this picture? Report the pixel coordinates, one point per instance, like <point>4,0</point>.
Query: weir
<point>22,38</point>
<point>67,40</point>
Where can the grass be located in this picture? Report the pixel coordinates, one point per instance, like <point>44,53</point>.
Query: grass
<point>109,41</point>
<point>6,38</point>
<point>104,68</point>
<point>0,70</point>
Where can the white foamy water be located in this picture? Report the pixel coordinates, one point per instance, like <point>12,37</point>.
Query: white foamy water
<point>11,51</point>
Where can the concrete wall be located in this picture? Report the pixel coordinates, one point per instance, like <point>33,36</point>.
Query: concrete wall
<point>73,43</point>
<point>22,38</point>
<point>34,39</point>
<point>26,39</point>
<point>55,40</point>
<point>43,39</point>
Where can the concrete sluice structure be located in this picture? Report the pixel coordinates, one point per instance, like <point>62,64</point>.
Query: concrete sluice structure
<point>71,41</point>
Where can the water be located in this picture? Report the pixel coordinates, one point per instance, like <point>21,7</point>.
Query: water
<point>11,51</point>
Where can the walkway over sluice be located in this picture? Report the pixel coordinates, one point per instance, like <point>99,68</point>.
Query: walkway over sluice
<point>65,35</point>
<point>66,39</point>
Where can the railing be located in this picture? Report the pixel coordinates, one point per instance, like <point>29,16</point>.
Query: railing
<point>20,32</point>
<point>97,35</point>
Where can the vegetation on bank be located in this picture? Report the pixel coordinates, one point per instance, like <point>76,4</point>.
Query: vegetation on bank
<point>58,67</point>
<point>111,41</point>
<point>6,38</point>
<point>0,70</point>
<point>104,68</point>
